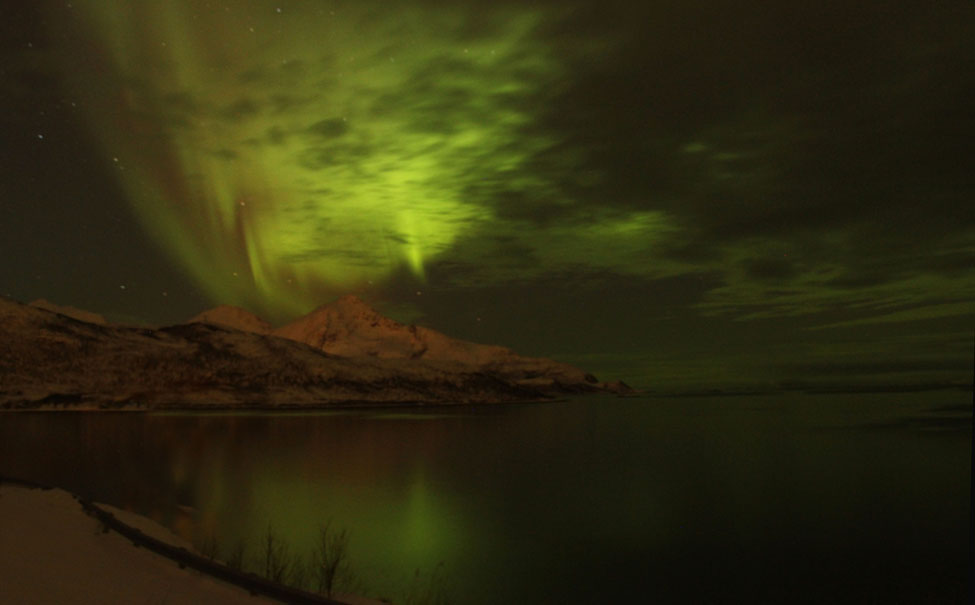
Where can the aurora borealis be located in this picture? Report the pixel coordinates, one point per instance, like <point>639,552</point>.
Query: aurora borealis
<point>661,190</point>
<point>307,152</point>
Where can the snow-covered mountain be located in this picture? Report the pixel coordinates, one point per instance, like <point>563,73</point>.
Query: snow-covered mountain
<point>351,328</point>
<point>47,358</point>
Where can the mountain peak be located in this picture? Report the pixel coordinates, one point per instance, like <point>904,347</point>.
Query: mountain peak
<point>346,326</point>
<point>351,302</point>
<point>349,310</point>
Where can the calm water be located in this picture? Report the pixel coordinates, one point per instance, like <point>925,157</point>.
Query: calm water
<point>849,498</point>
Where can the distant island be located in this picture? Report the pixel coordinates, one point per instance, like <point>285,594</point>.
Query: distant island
<point>341,353</point>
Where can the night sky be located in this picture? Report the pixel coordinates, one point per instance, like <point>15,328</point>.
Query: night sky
<point>683,194</point>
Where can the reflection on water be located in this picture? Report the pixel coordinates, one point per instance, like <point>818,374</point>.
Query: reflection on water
<point>801,499</point>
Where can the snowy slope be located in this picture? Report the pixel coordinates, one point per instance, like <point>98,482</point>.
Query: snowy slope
<point>233,317</point>
<point>351,328</point>
<point>72,312</point>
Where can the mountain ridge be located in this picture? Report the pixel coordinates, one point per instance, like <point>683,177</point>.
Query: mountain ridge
<point>52,360</point>
<point>67,311</point>
<point>349,327</point>
<point>232,317</point>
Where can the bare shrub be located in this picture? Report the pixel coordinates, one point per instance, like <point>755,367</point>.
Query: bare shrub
<point>236,556</point>
<point>299,571</point>
<point>331,560</point>
<point>208,547</point>
<point>276,557</point>
<point>429,590</point>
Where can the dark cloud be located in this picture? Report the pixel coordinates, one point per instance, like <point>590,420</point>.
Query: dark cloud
<point>283,74</point>
<point>523,206</point>
<point>312,254</point>
<point>807,155</point>
<point>869,367</point>
<point>770,269</point>
<point>322,191</point>
<point>855,279</point>
<point>339,153</point>
<point>331,128</point>
<point>276,135</point>
<point>807,125</point>
<point>294,69</point>
<point>951,262</point>
<point>285,102</point>
<point>254,75</point>
<point>316,158</point>
<point>396,237</point>
<point>300,212</point>
<point>181,102</point>
<point>240,109</point>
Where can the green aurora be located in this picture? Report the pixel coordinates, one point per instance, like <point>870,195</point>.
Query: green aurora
<point>284,163</point>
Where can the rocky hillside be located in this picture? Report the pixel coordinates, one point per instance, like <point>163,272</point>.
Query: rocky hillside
<point>72,312</point>
<point>351,328</point>
<point>233,317</point>
<point>47,358</point>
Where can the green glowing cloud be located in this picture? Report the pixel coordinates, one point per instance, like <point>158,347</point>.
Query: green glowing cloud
<point>286,156</point>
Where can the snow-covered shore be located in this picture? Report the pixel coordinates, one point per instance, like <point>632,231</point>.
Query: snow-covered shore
<point>51,551</point>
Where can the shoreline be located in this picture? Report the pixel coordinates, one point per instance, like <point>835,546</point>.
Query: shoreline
<point>59,547</point>
<point>261,408</point>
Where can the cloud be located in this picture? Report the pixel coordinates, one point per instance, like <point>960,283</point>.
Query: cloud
<point>769,269</point>
<point>920,313</point>
<point>331,128</point>
<point>870,367</point>
<point>240,109</point>
<point>829,157</point>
